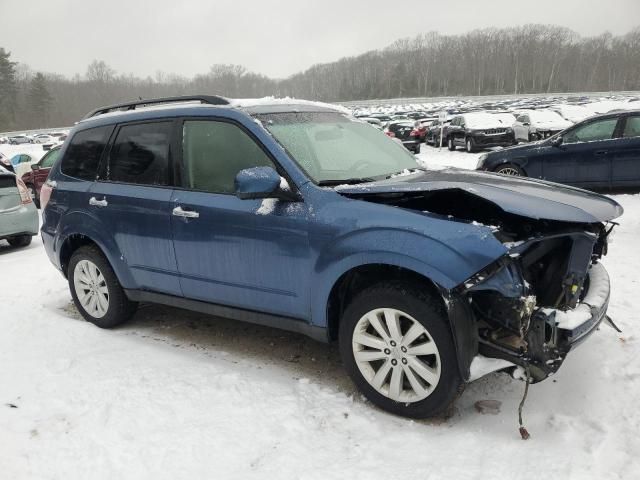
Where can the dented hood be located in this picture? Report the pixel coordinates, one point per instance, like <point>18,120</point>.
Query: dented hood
<point>536,199</point>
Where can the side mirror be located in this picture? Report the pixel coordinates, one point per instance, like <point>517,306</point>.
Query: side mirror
<point>557,141</point>
<point>35,166</point>
<point>259,182</point>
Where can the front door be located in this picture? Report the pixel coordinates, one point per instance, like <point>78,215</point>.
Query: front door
<point>583,158</point>
<point>250,254</point>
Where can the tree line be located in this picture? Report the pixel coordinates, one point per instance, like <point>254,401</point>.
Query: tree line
<point>518,60</point>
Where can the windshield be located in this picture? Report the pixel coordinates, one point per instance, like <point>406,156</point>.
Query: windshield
<point>333,148</point>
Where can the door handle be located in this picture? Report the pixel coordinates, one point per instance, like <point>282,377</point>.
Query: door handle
<point>601,152</point>
<point>98,203</point>
<point>179,212</point>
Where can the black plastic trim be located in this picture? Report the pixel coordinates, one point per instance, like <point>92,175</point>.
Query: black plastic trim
<point>269,320</point>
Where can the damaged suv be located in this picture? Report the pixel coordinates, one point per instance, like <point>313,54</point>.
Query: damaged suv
<point>295,215</point>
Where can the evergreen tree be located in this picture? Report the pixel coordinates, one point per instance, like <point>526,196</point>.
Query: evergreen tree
<point>8,91</point>
<point>39,100</point>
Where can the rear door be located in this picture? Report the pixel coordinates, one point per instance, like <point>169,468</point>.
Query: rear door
<point>625,159</point>
<point>132,199</point>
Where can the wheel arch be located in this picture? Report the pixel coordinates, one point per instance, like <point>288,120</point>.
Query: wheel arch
<point>82,230</point>
<point>460,317</point>
<point>516,162</point>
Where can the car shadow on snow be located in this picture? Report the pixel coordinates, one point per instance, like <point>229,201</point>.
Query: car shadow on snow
<point>6,249</point>
<point>263,347</point>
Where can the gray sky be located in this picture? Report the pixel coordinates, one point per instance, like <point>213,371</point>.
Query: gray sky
<point>274,37</point>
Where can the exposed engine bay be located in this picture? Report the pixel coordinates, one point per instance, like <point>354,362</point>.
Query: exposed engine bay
<point>529,305</point>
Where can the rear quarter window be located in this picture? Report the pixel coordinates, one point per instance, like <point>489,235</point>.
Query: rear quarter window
<point>82,158</point>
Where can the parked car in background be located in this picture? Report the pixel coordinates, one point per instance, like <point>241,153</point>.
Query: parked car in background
<point>422,125</point>
<point>406,132</point>
<point>300,217</point>
<point>35,178</point>
<point>60,136</point>
<point>20,139</point>
<point>383,117</point>
<point>600,152</point>
<point>18,214</point>
<point>6,162</point>
<point>432,135</point>
<point>477,130</point>
<point>538,124</point>
<point>21,163</point>
<point>44,138</point>
<point>372,121</point>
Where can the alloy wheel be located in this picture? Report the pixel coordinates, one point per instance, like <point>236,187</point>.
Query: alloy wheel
<point>509,171</point>
<point>91,288</point>
<point>396,355</point>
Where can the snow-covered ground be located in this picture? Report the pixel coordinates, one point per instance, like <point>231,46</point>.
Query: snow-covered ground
<point>176,394</point>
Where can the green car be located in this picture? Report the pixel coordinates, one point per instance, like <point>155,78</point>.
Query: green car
<point>18,214</point>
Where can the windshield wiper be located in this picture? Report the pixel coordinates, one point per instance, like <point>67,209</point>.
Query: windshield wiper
<point>346,181</point>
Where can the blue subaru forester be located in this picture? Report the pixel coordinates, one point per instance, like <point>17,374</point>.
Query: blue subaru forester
<point>296,215</point>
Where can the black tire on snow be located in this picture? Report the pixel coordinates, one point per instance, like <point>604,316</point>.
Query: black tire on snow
<point>430,312</point>
<point>120,308</point>
<point>20,241</point>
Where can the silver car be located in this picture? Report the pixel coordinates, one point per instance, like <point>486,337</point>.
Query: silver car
<point>18,214</point>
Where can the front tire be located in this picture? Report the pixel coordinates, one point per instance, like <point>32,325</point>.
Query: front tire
<point>470,145</point>
<point>510,169</point>
<point>95,289</point>
<point>396,345</point>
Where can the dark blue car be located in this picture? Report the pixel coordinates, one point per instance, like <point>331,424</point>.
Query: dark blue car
<point>598,153</point>
<point>298,216</point>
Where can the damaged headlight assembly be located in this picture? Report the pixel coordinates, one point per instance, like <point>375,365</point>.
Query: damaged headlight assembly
<point>532,305</point>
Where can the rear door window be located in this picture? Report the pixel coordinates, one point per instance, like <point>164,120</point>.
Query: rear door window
<point>83,154</point>
<point>140,154</point>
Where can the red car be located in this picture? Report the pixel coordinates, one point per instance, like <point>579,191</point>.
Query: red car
<point>38,174</point>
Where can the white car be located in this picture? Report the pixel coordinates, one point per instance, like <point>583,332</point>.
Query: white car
<point>44,138</point>
<point>538,124</point>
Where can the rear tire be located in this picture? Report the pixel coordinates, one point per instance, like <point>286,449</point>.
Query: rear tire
<point>95,289</point>
<point>450,145</point>
<point>410,369</point>
<point>20,241</point>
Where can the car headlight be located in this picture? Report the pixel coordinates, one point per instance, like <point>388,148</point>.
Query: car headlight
<point>481,160</point>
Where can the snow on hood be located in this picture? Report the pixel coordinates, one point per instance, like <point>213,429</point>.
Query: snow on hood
<point>531,198</point>
<point>548,119</point>
<point>489,120</point>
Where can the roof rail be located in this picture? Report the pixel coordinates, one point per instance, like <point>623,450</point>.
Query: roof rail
<point>205,99</point>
